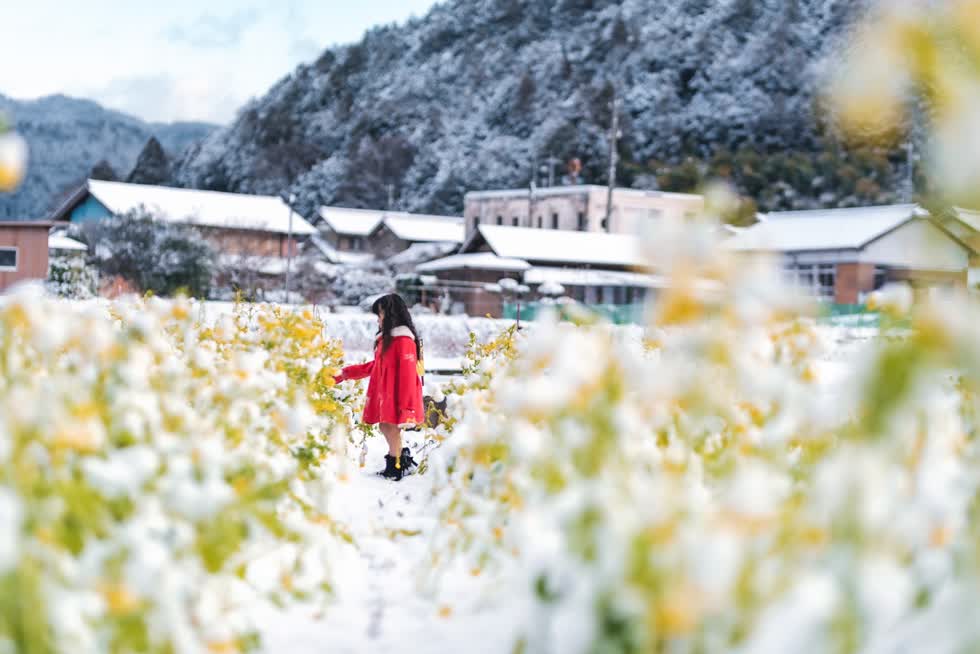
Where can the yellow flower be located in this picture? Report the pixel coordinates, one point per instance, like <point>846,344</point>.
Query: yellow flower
<point>677,612</point>
<point>13,161</point>
<point>119,599</point>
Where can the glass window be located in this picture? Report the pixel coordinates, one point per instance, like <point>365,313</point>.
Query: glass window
<point>554,221</point>
<point>826,276</point>
<point>517,221</point>
<point>8,259</point>
<point>500,220</point>
<point>581,222</point>
<point>540,221</point>
<point>881,275</point>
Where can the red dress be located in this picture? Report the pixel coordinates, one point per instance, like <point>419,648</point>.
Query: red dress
<point>394,393</point>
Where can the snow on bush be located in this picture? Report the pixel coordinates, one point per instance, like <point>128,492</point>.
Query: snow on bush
<point>150,464</point>
<point>69,276</point>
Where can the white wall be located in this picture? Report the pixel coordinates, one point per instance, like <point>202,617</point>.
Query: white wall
<point>917,244</point>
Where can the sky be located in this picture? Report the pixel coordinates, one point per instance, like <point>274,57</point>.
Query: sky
<point>176,59</point>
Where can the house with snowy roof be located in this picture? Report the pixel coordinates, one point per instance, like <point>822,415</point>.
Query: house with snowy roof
<point>841,255</point>
<point>234,223</point>
<point>402,239</point>
<point>347,230</point>
<point>593,268</point>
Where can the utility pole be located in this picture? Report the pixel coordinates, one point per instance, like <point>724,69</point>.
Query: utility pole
<point>289,244</point>
<point>910,181</point>
<point>530,193</point>
<point>552,160</point>
<point>613,158</point>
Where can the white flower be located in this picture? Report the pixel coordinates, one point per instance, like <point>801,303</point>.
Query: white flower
<point>11,517</point>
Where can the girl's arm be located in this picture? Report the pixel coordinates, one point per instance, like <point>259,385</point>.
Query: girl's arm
<point>360,371</point>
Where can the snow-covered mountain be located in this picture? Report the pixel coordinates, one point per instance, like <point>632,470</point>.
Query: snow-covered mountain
<point>68,137</point>
<point>474,93</point>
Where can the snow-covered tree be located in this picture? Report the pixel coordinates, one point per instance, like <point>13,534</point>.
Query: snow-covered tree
<point>156,256</point>
<point>71,276</point>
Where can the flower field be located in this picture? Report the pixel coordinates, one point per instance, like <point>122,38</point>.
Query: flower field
<point>178,477</point>
<point>728,482</point>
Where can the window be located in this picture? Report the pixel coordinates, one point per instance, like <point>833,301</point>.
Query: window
<point>826,276</point>
<point>500,220</point>
<point>581,222</point>
<point>356,243</point>
<point>815,280</point>
<point>554,221</point>
<point>540,222</point>
<point>517,221</point>
<point>880,277</point>
<point>8,259</point>
<point>476,222</point>
<point>619,295</point>
<point>605,224</point>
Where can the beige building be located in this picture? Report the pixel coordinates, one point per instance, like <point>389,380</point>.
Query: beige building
<point>575,208</point>
<point>841,255</point>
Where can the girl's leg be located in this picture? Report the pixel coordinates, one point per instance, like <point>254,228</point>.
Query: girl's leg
<point>392,434</point>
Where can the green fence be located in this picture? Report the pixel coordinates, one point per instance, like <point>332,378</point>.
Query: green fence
<point>851,315</point>
<point>618,314</point>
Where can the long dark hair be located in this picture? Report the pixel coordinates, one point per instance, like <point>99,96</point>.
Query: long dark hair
<point>396,315</point>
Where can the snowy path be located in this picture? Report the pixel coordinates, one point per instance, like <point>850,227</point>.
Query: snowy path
<point>380,602</point>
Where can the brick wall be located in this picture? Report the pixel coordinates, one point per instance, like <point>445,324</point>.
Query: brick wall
<point>852,280</point>
<point>248,242</point>
<point>477,301</point>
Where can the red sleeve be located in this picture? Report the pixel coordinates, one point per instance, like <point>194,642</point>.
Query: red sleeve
<point>359,371</point>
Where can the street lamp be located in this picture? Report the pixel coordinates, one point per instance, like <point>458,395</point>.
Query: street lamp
<point>510,287</point>
<point>289,242</point>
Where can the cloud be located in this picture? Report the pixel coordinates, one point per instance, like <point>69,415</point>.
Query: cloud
<point>163,97</point>
<point>210,31</point>
<point>305,49</point>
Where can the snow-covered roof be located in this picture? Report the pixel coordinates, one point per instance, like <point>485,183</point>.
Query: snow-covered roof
<point>555,245</point>
<point>969,216</point>
<point>353,222</point>
<point>419,252</point>
<point>417,228</point>
<point>266,213</point>
<point>576,189</point>
<point>58,241</point>
<point>414,227</point>
<point>590,277</point>
<point>474,261</point>
<point>824,229</point>
<point>333,255</point>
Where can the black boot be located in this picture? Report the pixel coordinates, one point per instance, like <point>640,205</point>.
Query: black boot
<point>409,464</point>
<point>393,468</point>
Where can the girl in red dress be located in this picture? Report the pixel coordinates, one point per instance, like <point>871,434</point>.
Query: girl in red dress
<point>394,394</point>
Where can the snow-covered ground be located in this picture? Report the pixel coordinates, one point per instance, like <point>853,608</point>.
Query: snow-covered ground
<point>384,600</point>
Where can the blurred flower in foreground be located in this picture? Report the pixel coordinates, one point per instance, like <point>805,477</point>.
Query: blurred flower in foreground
<point>13,160</point>
<point>905,52</point>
